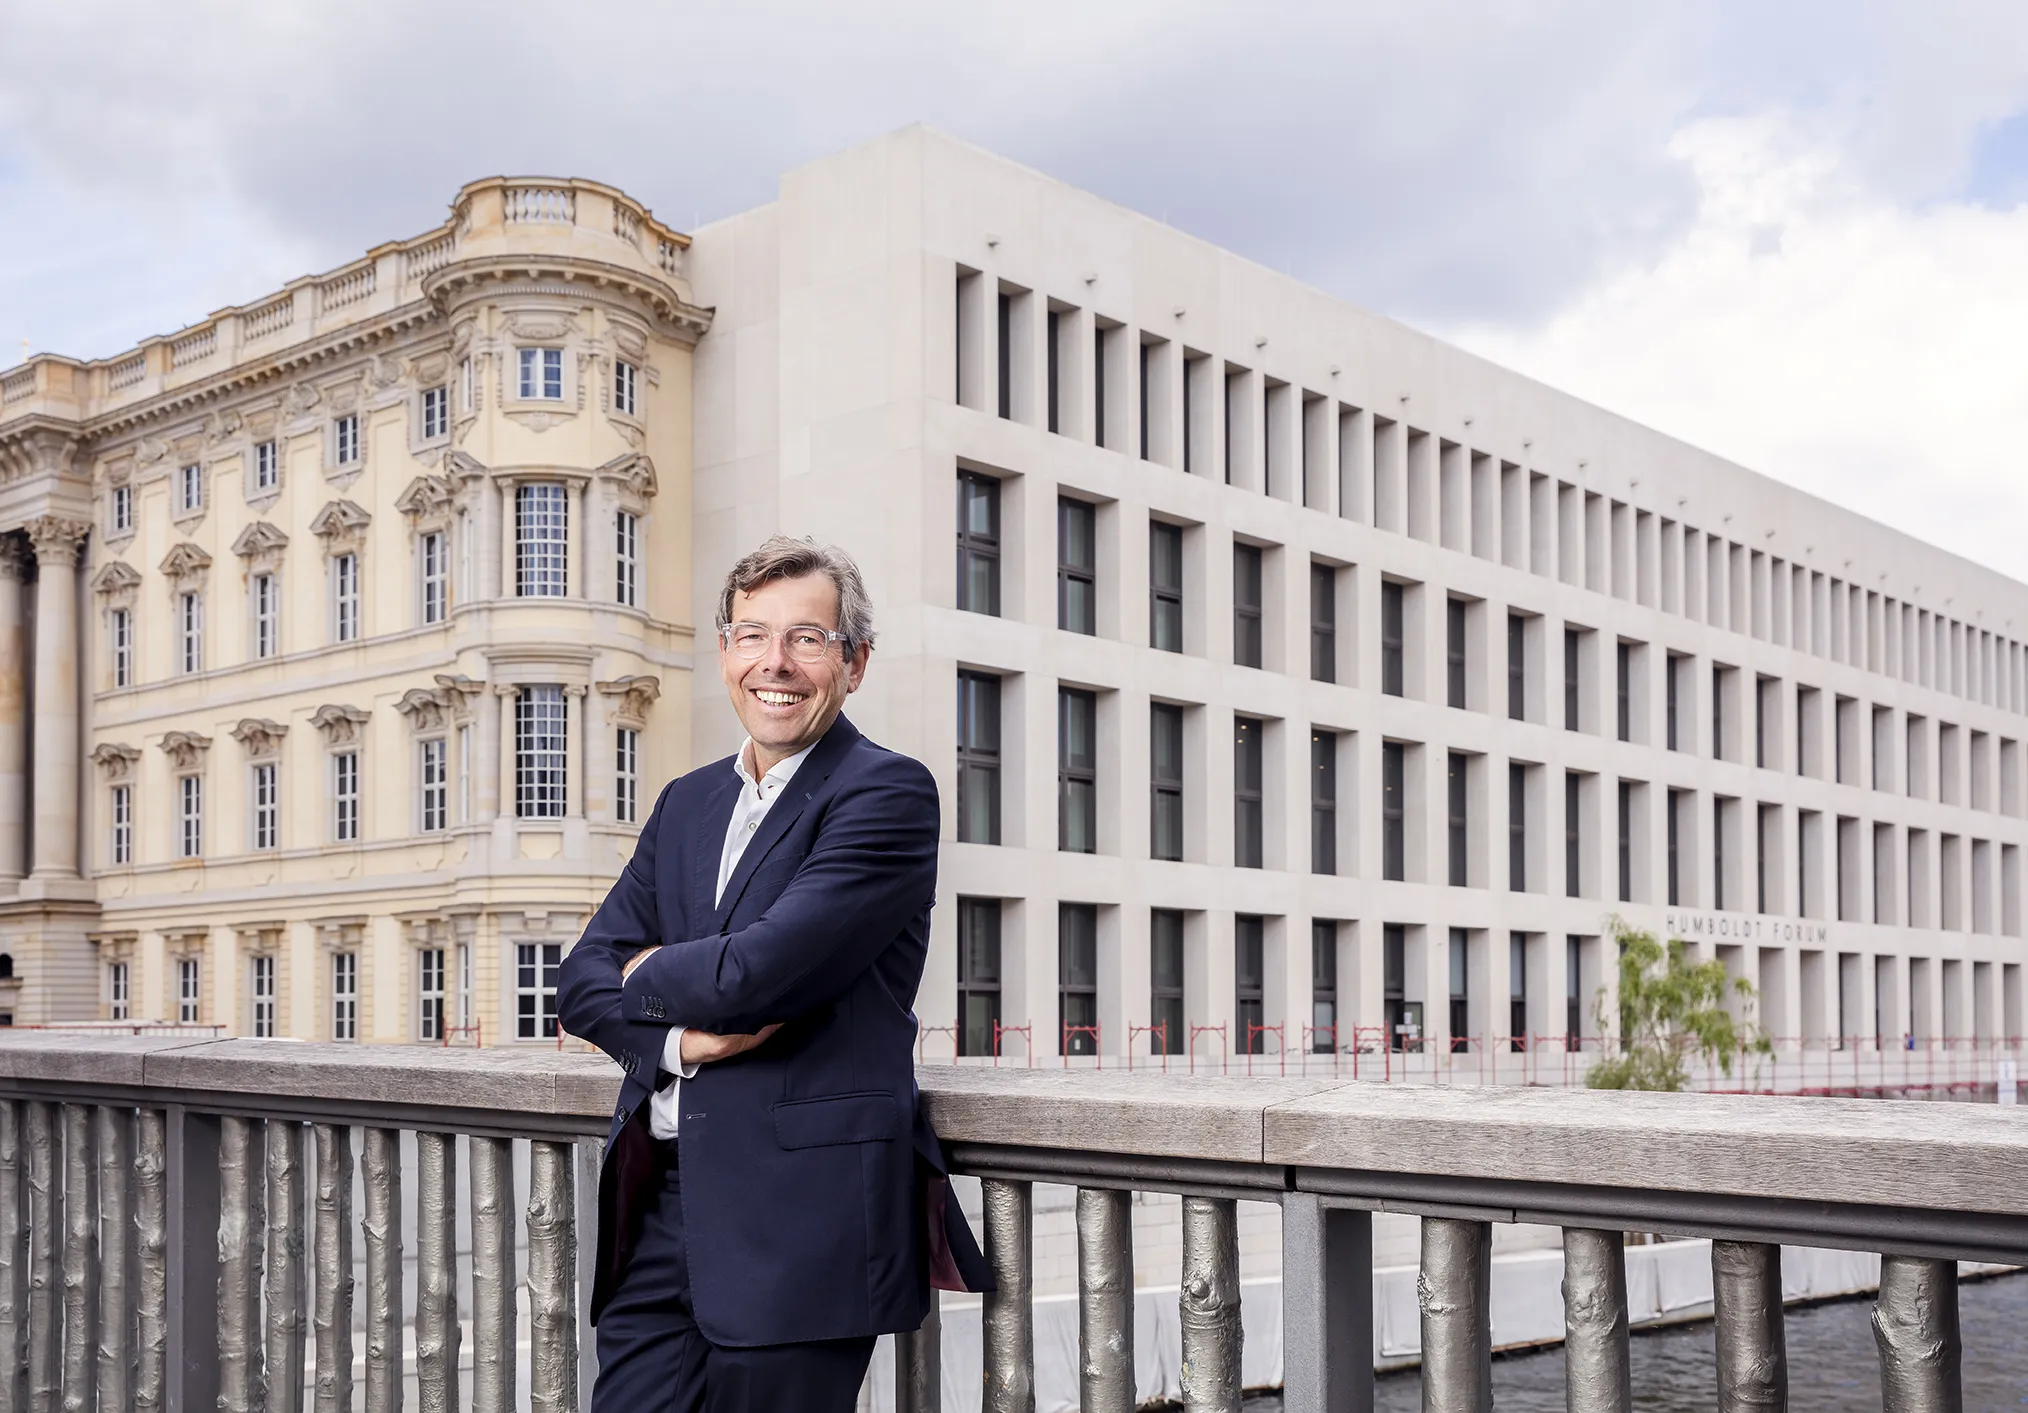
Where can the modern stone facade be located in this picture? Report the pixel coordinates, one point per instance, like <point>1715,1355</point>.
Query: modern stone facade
<point>1280,647</point>
<point>327,720</point>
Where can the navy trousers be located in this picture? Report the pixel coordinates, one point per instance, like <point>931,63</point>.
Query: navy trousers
<point>653,1358</point>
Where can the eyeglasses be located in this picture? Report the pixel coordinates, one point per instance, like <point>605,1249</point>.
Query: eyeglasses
<point>805,642</point>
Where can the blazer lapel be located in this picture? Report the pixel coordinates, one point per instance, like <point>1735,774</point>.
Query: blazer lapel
<point>707,845</point>
<point>783,813</point>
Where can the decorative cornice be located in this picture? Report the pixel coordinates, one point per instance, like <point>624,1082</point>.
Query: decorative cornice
<point>632,697</point>
<point>339,519</point>
<point>426,495</point>
<point>186,748</point>
<point>186,564</point>
<point>424,708</point>
<point>259,736</point>
<point>116,760</point>
<point>116,579</point>
<point>39,446</point>
<point>340,724</point>
<point>635,471</point>
<point>531,273</point>
<point>259,538</point>
<point>56,539</point>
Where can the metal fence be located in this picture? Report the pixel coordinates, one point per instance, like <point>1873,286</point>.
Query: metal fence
<point>176,1226</point>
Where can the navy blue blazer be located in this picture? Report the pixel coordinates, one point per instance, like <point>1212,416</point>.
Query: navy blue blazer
<point>812,1193</point>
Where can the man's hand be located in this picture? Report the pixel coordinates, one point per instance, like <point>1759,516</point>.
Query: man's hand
<point>701,1047</point>
<point>627,967</point>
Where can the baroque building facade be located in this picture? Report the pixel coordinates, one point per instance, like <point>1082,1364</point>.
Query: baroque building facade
<point>346,633</point>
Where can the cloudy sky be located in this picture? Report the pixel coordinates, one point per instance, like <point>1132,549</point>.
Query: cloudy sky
<point>1796,234</point>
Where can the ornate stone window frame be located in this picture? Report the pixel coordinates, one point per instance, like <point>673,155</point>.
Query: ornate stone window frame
<point>117,948</point>
<point>261,548</point>
<point>626,483</point>
<point>433,369</point>
<point>337,935</point>
<point>257,940</point>
<point>264,428</point>
<point>116,762</point>
<point>117,586</point>
<point>192,945</point>
<point>429,712</point>
<point>187,752</point>
<point>344,729</point>
<point>529,927</point>
<point>120,477</point>
<point>261,739</point>
<point>629,345</point>
<point>187,569</point>
<point>342,526</point>
<point>430,505</point>
<point>543,326</point>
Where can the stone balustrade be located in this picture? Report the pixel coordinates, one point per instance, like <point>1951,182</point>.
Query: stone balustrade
<point>179,1233</point>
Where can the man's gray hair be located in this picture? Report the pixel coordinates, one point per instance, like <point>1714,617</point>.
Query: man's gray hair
<point>785,557</point>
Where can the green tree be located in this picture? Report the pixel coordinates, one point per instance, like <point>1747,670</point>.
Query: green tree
<point>1671,1009</point>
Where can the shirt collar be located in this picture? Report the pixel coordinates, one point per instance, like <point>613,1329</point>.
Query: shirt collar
<point>781,772</point>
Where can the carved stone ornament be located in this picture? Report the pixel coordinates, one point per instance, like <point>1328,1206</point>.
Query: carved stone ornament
<point>150,451</point>
<point>633,696</point>
<point>426,498</point>
<point>383,371</point>
<point>544,324</point>
<point>185,749</point>
<point>260,540</point>
<point>461,336</point>
<point>424,708</point>
<point>117,581</point>
<point>430,368</point>
<point>630,341</point>
<point>340,724</point>
<point>14,558</point>
<point>186,565</point>
<point>300,399</point>
<point>259,736</point>
<point>56,539</point>
<point>458,691</point>
<point>341,525</point>
<point>635,472</point>
<point>463,466</point>
<point>116,760</point>
<point>221,427</point>
<point>38,451</point>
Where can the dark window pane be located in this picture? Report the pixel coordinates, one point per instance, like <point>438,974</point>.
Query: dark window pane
<point>1077,767</point>
<point>1391,676</point>
<point>1454,652</point>
<point>1246,605</point>
<point>1166,781</point>
<point>978,543</point>
<point>978,758</point>
<point>1246,793</point>
<point>1077,977</point>
<point>1077,566</point>
<point>1323,623</point>
<point>1165,587</point>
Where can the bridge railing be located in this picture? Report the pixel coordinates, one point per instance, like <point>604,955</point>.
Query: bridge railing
<point>176,1228</point>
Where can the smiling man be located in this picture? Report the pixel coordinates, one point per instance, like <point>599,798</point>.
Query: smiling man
<point>771,1198</point>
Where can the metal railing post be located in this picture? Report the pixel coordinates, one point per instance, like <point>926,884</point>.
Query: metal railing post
<point>1008,1315</point>
<point>919,1364</point>
<point>552,1275</point>
<point>80,1264</point>
<point>380,1174</point>
<point>1208,1305</point>
<point>242,1243</point>
<point>332,1237</point>
<point>192,1200</point>
<point>1454,1291</point>
<point>1327,1307</point>
<point>590,1153</point>
<point>1105,1300</point>
<point>1915,1323</point>
<point>437,1334</point>
<point>493,1302</point>
<point>1746,1296</point>
<point>13,1264</point>
<point>286,1325</point>
<point>1598,1372</point>
<point>113,1137</point>
<point>151,1261</point>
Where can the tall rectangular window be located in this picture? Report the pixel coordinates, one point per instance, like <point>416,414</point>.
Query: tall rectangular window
<point>464,775</point>
<point>432,576</point>
<point>1076,566</point>
<point>1003,329</point>
<point>1393,984</point>
<point>1391,674</point>
<point>190,631</point>
<point>189,993</point>
<point>345,797</point>
<point>1573,992</point>
<point>1077,977</point>
<point>535,967</point>
<point>540,374</point>
<point>1457,828</point>
<point>1249,983</point>
<point>626,559</point>
<point>468,385</point>
<point>1517,989</point>
<point>1076,771</point>
<point>1760,823</point>
<point>1323,623</point>
<point>1454,653</point>
<point>978,758</point>
<point>1246,605</point>
<point>1323,801</point>
<point>1147,359</point>
<point>1165,586</point>
<point>433,781</point>
<point>541,541</point>
<point>267,616</point>
<point>190,816</point>
<point>1517,667</point>
<point>541,752</point>
<point>267,466</point>
<point>1393,818</point>
<point>1760,689</point>
<point>1623,691</point>
<point>122,813</point>
<point>267,814</point>
<point>1517,828</point>
<point>1718,732</point>
<point>1669,696</point>
<point>1572,695</point>
<point>1246,792</point>
<point>120,627</point>
<point>1053,373</point>
<point>189,489</point>
<point>262,998</point>
<point>978,976</point>
<point>1165,781</point>
<point>1718,854</point>
<point>1674,840</point>
<point>627,775</point>
<point>345,597</point>
<point>122,510</point>
<point>626,388</point>
<point>978,543</point>
<point>1573,835</point>
<point>430,994</point>
<point>1323,986</point>
<point>345,440</point>
<point>1098,386</point>
<point>1626,841</point>
<point>436,413</point>
<point>119,991</point>
<point>1165,990</point>
<point>344,995</point>
<point>1460,960</point>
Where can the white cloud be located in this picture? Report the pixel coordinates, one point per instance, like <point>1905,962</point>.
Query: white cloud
<point>1812,329</point>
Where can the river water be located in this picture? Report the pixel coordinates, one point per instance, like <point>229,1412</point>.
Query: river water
<point>1833,1366</point>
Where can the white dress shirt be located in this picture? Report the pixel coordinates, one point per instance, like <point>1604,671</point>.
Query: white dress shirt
<point>756,798</point>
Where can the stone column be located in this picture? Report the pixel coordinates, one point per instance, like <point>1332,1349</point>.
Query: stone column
<point>56,544</point>
<point>577,753</point>
<point>13,712</point>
